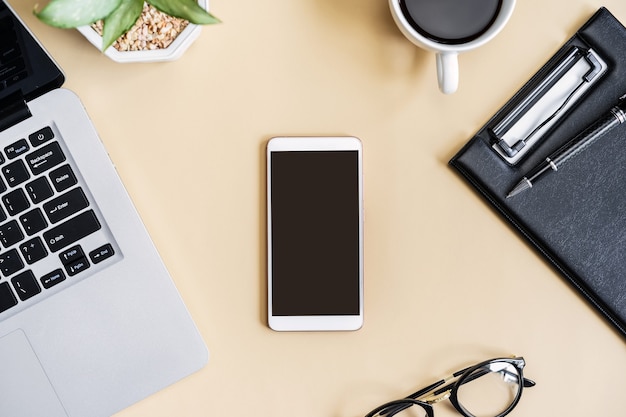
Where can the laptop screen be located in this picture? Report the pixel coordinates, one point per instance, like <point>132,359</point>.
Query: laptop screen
<point>26,70</point>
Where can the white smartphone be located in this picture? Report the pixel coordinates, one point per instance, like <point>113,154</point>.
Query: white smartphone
<point>315,233</point>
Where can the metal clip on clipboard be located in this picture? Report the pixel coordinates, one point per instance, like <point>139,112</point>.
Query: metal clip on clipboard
<point>545,102</point>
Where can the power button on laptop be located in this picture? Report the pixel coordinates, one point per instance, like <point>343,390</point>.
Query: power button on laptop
<point>41,136</point>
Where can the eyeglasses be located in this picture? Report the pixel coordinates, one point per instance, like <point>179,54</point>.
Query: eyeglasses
<point>489,389</point>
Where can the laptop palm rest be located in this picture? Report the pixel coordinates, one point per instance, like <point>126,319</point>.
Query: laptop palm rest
<point>24,385</point>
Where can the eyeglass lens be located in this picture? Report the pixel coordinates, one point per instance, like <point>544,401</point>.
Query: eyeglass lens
<point>489,390</point>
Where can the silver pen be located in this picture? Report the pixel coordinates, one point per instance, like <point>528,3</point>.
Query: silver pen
<point>616,116</point>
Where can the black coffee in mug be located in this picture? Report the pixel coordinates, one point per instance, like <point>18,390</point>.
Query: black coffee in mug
<point>451,21</point>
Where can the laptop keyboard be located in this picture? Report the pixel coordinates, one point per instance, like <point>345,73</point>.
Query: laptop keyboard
<point>50,232</point>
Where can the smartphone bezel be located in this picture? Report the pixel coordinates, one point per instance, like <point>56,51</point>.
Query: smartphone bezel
<point>323,322</point>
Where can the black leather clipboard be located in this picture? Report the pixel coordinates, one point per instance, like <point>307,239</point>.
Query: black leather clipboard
<point>575,218</point>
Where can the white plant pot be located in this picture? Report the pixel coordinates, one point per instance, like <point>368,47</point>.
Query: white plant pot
<point>171,53</point>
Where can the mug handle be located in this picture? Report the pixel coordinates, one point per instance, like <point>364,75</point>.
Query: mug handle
<point>448,71</point>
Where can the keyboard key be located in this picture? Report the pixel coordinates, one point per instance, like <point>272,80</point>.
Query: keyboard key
<point>15,202</point>
<point>12,68</point>
<point>45,158</point>
<point>9,48</point>
<point>65,205</point>
<point>9,52</point>
<point>10,233</point>
<point>63,178</point>
<point>71,231</point>
<point>102,253</point>
<point>77,266</point>
<point>33,250</point>
<point>15,173</point>
<point>7,298</point>
<point>16,149</point>
<point>33,221</point>
<point>39,190</point>
<point>15,78</point>
<point>53,278</point>
<point>72,254</point>
<point>25,285</point>
<point>10,262</point>
<point>41,136</point>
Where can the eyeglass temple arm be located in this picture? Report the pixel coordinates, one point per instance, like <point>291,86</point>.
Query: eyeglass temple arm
<point>437,384</point>
<point>394,410</point>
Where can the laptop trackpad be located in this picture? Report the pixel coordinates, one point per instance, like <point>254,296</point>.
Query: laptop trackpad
<point>24,387</point>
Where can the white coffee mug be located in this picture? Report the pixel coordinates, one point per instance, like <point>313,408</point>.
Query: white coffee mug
<point>447,53</point>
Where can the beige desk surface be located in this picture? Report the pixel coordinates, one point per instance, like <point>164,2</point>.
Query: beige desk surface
<point>447,283</point>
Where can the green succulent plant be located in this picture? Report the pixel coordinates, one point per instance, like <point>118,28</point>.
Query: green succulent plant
<point>118,16</point>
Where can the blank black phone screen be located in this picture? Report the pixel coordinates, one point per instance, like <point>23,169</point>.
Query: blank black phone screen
<point>315,233</point>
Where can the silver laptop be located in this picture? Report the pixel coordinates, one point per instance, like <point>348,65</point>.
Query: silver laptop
<point>90,320</point>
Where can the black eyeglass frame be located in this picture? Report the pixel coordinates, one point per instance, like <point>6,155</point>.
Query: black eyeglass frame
<point>442,390</point>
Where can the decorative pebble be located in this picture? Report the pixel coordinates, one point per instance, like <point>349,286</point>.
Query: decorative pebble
<point>153,30</point>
